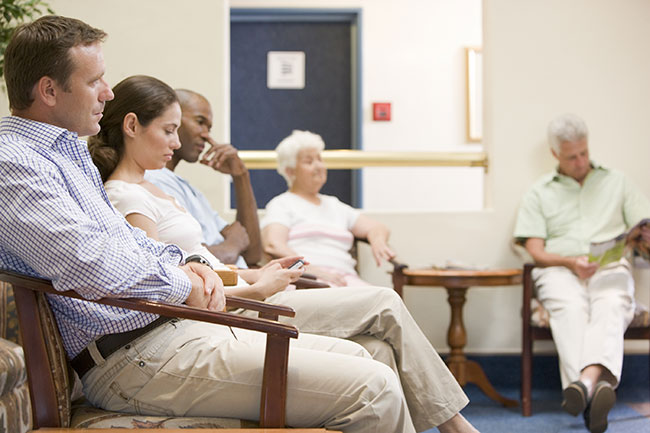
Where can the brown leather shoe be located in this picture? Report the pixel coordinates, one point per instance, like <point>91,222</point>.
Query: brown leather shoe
<point>601,403</point>
<point>574,398</point>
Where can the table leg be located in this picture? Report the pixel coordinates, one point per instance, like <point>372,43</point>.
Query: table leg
<point>466,371</point>
<point>476,375</point>
<point>457,335</point>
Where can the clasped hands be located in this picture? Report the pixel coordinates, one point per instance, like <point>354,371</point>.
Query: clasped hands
<point>208,290</point>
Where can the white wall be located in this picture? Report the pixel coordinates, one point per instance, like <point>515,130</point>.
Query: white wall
<point>413,55</point>
<point>540,59</point>
<point>184,44</point>
<point>147,37</point>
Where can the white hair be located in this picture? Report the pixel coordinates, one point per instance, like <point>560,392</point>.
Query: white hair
<point>567,127</point>
<point>288,149</point>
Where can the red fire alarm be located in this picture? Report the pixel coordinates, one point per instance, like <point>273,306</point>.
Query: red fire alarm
<point>381,111</point>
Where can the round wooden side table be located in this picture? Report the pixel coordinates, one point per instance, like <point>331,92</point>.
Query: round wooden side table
<point>457,282</point>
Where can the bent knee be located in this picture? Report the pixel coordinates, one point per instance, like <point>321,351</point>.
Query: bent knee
<point>615,305</point>
<point>382,383</point>
<point>388,296</point>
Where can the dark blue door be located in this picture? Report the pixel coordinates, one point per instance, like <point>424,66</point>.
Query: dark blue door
<point>262,117</point>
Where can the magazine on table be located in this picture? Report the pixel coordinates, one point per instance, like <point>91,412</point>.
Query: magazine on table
<point>612,250</point>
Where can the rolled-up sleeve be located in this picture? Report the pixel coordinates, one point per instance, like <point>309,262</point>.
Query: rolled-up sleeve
<point>635,204</point>
<point>48,230</point>
<point>530,219</point>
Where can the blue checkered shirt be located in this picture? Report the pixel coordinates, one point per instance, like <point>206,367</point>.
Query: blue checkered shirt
<point>56,222</point>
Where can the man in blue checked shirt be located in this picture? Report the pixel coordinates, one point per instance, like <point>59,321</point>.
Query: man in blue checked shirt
<point>57,223</point>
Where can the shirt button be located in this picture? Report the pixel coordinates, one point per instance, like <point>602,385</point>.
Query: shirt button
<point>141,363</point>
<point>127,347</point>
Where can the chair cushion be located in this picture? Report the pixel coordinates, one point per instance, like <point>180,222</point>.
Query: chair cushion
<point>641,317</point>
<point>539,316</point>
<point>16,410</point>
<point>8,314</point>
<point>86,416</point>
<point>12,366</point>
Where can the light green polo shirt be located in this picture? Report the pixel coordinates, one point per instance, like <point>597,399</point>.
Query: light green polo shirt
<point>569,216</point>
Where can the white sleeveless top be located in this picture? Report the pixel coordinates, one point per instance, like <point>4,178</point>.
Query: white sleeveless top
<point>175,225</point>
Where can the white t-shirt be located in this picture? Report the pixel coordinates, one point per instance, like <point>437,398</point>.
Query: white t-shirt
<point>321,232</point>
<point>174,224</point>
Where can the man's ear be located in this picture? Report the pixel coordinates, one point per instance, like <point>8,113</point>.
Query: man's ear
<point>554,154</point>
<point>130,124</point>
<point>46,90</point>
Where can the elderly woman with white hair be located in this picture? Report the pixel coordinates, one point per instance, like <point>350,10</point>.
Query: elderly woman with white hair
<point>319,227</point>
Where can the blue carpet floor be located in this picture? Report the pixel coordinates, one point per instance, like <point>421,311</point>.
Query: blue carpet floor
<point>630,415</point>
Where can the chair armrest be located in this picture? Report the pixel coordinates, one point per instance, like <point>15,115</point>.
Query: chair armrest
<point>266,310</point>
<point>12,369</point>
<point>397,265</point>
<point>169,310</point>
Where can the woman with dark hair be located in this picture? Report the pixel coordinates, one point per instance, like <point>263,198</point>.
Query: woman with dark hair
<point>139,132</point>
<point>143,100</point>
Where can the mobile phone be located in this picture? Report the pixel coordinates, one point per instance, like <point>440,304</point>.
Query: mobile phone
<point>297,264</point>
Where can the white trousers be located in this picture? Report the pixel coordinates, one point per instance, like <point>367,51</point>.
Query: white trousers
<point>376,318</point>
<point>588,317</point>
<point>187,368</point>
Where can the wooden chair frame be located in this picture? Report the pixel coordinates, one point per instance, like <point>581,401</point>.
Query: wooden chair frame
<point>41,380</point>
<point>531,333</point>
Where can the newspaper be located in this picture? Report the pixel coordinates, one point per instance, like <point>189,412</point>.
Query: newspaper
<point>612,250</point>
<point>609,251</point>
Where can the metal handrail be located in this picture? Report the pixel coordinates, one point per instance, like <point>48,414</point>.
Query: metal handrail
<point>349,159</point>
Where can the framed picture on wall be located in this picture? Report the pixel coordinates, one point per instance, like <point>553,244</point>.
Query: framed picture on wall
<point>474,84</point>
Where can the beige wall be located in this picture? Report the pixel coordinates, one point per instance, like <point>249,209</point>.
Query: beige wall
<point>540,59</point>
<point>413,55</point>
<point>184,44</point>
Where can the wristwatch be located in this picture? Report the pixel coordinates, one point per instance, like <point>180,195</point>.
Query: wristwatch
<point>198,259</point>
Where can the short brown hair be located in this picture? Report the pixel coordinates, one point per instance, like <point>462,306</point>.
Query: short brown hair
<point>41,48</point>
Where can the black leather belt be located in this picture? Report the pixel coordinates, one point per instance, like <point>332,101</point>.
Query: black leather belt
<point>108,344</point>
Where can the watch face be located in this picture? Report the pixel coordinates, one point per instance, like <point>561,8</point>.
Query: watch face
<point>198,259</point>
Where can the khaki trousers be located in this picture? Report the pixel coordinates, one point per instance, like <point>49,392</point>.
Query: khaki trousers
<point>376,318</point>
<point>588,317</point>
<point>187,368</point>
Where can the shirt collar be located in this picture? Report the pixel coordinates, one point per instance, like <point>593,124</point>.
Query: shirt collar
<point>173,173</point>
<point>39,133</point>
<point>556,176</point>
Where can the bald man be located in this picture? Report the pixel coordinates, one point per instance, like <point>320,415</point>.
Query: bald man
<point>237,243</point>
<point>374,317</point>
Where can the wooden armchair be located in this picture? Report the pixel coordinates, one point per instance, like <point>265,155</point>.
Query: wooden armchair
<point>50,378</point>
<point>535,327</point>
